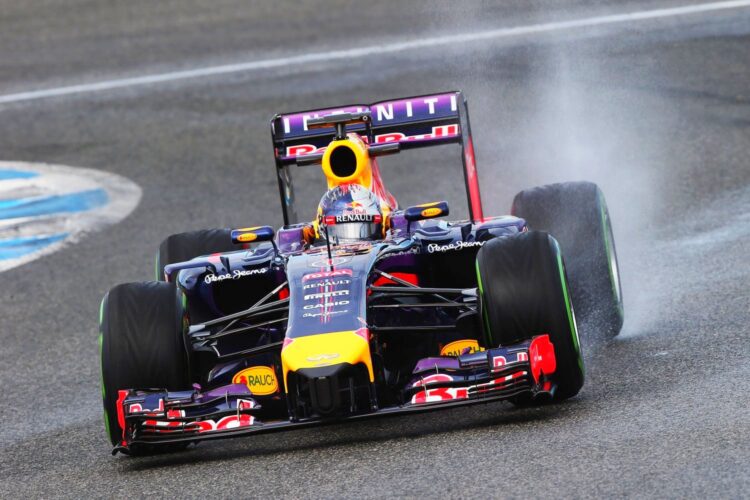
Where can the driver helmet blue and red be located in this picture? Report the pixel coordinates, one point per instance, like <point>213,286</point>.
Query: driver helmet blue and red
<point>349,213</point>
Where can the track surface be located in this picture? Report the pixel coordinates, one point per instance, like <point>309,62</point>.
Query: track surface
<point>656,112</point>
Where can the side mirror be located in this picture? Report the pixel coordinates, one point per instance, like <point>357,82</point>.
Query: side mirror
<point>426,211</point>
<point>252,234</point>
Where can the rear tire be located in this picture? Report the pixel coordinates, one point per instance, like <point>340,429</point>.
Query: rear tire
<point>523,290</point>
<point>182,247</point>
<point>142,342</point>
<point>576,214</point>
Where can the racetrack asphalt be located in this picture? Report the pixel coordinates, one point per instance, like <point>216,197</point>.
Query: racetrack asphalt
<point>657,112</point>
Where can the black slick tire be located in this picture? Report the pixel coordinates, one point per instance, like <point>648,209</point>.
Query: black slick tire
<point>523,292</point>
<point>185,246</point>
<point>576,214</point>
<point>142,342</point>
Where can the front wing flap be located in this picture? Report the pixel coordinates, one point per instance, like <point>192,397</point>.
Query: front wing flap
<point>153,417</point>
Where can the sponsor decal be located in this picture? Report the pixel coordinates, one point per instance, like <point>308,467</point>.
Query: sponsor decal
<point>437,133</point>
<point>322,300</point>
<point>322,295</point>
<point>303,149</point>
<point>234,275</point>
<point>412,251</point>
<point>457,245</point>
<point>245,404</point>
<point>431,212</point>
<point>175,413</point>
<point>247,237</point>
<point>327,274</point>
<point>440,394</point>
<point>321,314</point>
<point>323,357</point>
<point>336,261</point>
<point>230,422</point>
<point>138,408</point>
<point>352,217</point>
<point>496,384</point>
<point>457,348</point>
<point>441,131</point>
<point>325,283</point>
<point>327,305</point>
<point>382,112</point>
<point>500,361</point>
<point>261,380</point>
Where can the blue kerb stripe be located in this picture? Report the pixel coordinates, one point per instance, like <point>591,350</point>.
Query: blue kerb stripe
<point>18,247</point>
<point>45,205</point>
<point>6,175</point>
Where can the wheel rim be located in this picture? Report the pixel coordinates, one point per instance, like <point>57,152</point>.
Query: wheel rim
<point>612,265</point>
<point>569,308</point>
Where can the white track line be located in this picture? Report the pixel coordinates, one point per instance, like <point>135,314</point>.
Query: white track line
<point>372,50</point>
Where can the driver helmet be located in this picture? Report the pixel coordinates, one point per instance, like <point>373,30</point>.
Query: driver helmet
<point>350,213</point>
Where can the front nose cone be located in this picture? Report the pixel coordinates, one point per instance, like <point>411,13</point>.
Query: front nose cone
<point>322,355</point>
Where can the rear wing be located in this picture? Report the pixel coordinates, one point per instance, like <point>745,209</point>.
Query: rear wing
<point>412,122</point>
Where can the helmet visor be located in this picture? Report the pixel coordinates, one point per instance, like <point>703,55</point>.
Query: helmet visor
<point>354,231</point>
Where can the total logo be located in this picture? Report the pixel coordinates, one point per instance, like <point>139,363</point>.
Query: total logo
<point>327,274</point>
<point>261,380</point>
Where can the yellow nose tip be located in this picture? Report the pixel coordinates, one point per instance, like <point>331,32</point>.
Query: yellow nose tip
<point>326,349</point>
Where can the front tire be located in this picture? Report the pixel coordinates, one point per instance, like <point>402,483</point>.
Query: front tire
<point>576,214</point>
<point>182,247</point>
<point>523,292</point>
<point>142,341</point>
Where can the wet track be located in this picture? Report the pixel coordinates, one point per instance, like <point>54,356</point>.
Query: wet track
<point>657,111</point>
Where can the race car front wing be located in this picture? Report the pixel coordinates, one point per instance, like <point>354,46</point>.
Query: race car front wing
<point>152,417</point>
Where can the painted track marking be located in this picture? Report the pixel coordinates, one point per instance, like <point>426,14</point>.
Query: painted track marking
<point>388,48</point>
<point>45,207</point>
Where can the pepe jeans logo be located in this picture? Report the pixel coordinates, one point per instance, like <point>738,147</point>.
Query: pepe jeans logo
<point>458,245</point>
<point>234,275</point>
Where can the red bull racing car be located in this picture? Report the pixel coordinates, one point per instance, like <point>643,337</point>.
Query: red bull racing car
<point>370,308</point>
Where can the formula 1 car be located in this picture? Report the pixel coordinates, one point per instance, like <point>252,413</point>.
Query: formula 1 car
<point>371,308</point>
